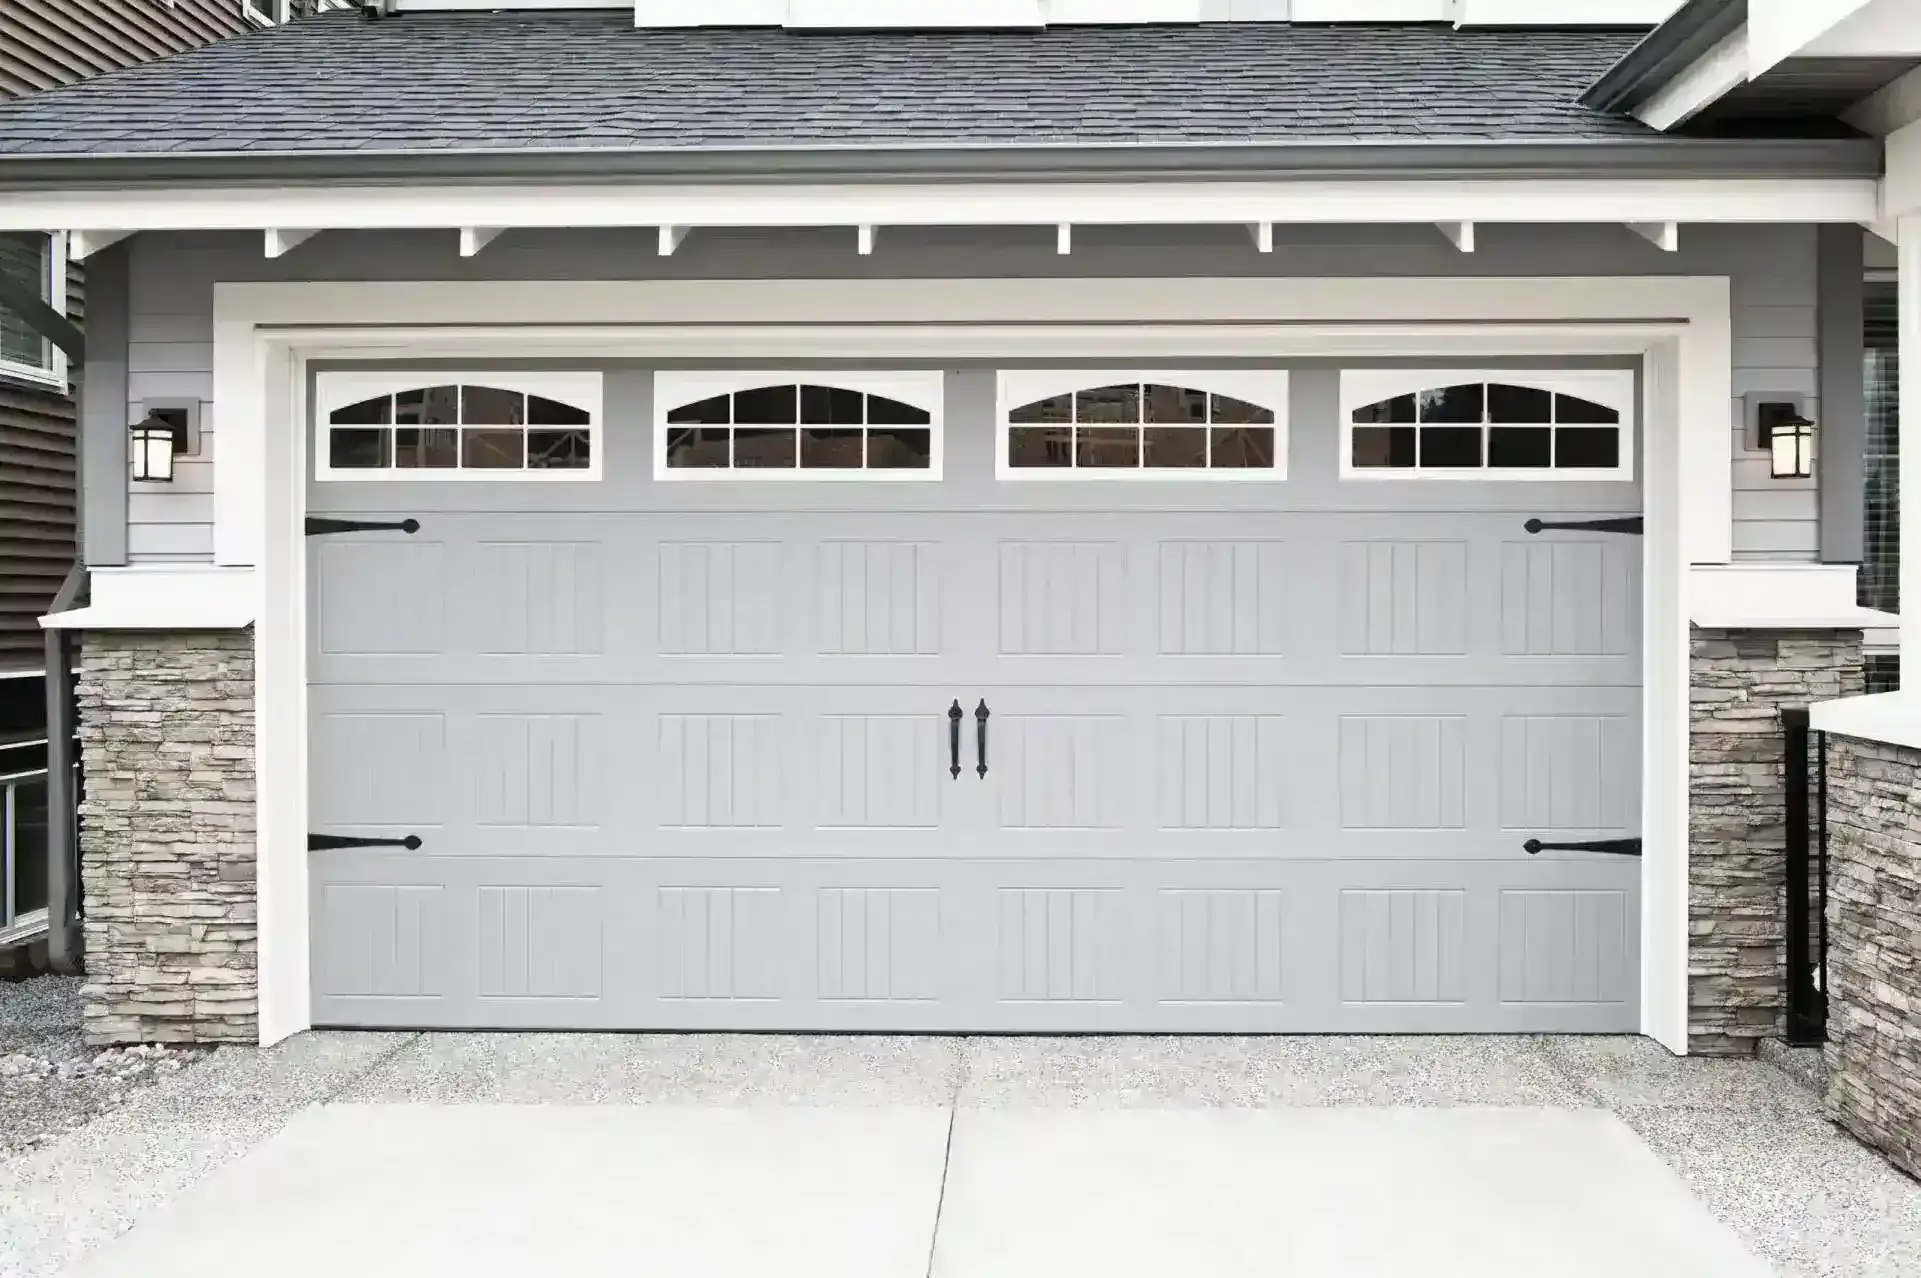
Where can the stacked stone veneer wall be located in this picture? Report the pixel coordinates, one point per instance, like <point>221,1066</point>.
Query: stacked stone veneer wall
<point>167,836</point>
<point>1737,838</point>
<point>1874,945</point>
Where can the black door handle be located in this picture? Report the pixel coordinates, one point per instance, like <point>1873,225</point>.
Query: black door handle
<point>1613,847</point>
<point>954,713</point>
<point>329,842</point>
<point>980,737</point>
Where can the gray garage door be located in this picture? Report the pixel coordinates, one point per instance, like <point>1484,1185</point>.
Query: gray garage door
<point>975,754</point>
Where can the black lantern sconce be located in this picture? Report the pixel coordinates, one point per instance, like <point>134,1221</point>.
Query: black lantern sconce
<point>1788,436</point>
<point>152,450</point>
<point>166,432</point>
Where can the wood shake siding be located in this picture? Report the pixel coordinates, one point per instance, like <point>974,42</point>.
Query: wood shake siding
<point>44,44</point>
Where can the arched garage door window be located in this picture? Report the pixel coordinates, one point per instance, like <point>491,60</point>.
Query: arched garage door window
<point>1461,423</point>
<point>797,426</point>
<point>1085,424</point>
<point>467,426</point>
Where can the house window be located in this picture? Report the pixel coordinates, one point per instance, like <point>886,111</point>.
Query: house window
<point>1077,424</point>
<point>40,258</point>
<point>473,426</point>
<point>797,426</point>
<point>1400,424</point>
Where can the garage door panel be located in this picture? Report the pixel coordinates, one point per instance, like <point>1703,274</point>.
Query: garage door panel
<point>1259,757</point>
<point>801,943</point>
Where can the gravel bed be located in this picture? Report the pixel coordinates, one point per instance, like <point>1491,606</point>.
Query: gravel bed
<point>50,1080</point>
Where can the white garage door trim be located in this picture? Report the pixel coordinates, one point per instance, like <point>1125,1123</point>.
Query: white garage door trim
<point>266,334</point>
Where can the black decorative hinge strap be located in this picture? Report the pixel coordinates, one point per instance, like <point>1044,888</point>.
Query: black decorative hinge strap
<point>954,714</point>
<point>1633,525</point>
<point>331,842</point>
<point>980,737</point>
<point>1612,847</point>
<point>318,527</point>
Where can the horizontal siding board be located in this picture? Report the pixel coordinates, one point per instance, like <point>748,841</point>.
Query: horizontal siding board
<point>175,541</point>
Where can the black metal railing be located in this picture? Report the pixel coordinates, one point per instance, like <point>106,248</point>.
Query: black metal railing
<point>1807,879</point>
<point>23,855</point>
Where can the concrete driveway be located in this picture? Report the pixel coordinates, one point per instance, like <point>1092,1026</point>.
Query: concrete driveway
<point>902,1158</point>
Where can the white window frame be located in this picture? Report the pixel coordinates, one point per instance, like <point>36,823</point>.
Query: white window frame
<point>922,388</point>
<point>1612,387</point>
<point>53,292</point>
<point>1267,388</point>
<point>333,390</point>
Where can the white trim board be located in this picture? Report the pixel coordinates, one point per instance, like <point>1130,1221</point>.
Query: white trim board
<point>1414,201</point>
<point>163,597</point>
<point>265,334</point>
<point>1771,596</point>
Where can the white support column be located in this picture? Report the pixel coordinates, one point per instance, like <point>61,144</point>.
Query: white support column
<point>864,239</point>
<point>1064,238</point>
<point>1908,290</point>
<point>671,238</point>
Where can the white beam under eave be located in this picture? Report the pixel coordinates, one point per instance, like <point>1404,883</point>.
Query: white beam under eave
<point>82,245</point>
<point>671,238</point>
<point>1665,236</point>
<point>865,239</point>
<point>475,238</point>
<point>1373,202</point>
<point>1706,81</point>
<point>281,242</point>
<point>1263,233</point>
<point>1064,238</point>
<point>1460,234</point>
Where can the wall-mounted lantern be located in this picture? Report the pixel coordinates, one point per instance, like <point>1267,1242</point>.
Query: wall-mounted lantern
<point>1788,436</point>
<point>152,449</point>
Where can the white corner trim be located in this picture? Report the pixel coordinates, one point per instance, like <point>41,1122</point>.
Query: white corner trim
<point>164,597</point>
<point>1893,718</point>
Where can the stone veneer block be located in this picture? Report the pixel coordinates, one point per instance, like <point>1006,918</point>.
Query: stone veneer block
<point>167,836</point>
<point>1737,840</point>
<point>1874,945</point>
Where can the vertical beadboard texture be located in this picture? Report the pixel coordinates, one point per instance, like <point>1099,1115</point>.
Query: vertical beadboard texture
<point>1773,270</point>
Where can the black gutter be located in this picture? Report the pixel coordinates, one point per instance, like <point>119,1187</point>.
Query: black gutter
<point>1668,50</point>
<point>1652,155</point>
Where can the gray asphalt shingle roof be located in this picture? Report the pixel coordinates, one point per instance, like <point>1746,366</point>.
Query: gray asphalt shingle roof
<point>587,79</point>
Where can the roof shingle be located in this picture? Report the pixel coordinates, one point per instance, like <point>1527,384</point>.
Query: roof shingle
<point>588,79</point>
